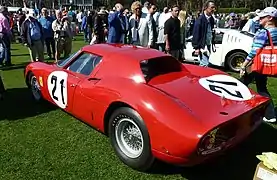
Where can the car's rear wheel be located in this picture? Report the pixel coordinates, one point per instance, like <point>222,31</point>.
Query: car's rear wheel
<point>130,139</point>
<point>235,60</point>
<point>35,88</point>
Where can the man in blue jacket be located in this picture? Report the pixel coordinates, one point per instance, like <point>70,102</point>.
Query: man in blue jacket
<point>203,33</point>
<point>117,25</point>
<point>46,23</point>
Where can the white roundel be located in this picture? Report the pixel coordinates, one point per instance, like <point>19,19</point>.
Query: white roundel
<point>57,87</point>
<point>226,86</point>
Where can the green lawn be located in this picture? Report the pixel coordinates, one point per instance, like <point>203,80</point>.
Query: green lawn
<point>38,141</point>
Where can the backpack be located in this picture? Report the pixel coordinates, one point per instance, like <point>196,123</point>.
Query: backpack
<point>35,33</point>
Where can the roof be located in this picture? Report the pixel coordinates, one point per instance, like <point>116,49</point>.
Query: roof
<point>122,50</point>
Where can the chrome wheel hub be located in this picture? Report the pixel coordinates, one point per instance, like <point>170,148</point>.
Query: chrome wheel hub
<point>129,137</point>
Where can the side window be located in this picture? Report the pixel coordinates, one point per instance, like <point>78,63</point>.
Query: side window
<point>219,38</point>
<point>63,62</point>
<point>85,63</point>
<point>90,64</point>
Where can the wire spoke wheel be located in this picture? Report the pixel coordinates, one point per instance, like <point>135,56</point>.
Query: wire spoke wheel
<point>129,137</point>
<point>35,88</point>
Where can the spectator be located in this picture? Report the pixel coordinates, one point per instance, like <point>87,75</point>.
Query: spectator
<point>145,7</point>
<point>202,33</point>
<point>117,25</point>
<point>90,20</point>
<point>151,11</point>
<point>172,33</point>
<point>268,19</point>
<point>161,39</point>
<point>101,26</point>
<point>5,36</point>
<point>32,37</point>
<point>46,23</point>
<point>140,26</point>
<point>62,35</point>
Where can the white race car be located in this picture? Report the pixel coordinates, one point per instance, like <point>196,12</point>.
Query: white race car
<point>231,48</point>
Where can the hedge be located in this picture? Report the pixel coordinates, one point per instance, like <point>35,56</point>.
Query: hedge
<point>235,10</point>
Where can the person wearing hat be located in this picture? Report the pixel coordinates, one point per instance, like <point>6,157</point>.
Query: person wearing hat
<point>5,36</point>
<point>268,20</point>
<point>32,36</point>
<point>233,21</point>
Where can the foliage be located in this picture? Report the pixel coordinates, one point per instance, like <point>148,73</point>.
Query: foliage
<point>235,10</point>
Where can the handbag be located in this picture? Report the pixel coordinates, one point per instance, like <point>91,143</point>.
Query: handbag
<point>265,61</point>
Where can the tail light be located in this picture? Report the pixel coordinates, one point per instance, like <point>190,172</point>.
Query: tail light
<point>216,139</point>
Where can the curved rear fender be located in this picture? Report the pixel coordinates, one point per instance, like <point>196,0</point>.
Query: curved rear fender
<point>172,127</point>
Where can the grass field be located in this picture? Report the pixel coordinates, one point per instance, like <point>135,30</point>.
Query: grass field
<point>41,142</point>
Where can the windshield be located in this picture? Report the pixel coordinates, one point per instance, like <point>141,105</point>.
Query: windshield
<point>247,33</point>
<point>158,66</point>
<point>63,62</point>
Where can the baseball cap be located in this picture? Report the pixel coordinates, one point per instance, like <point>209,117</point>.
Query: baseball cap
<point>269,11</point>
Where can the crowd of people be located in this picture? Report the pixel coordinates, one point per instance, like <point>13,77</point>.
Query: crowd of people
<point>142,25</point>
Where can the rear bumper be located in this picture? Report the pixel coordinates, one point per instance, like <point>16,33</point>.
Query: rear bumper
<point>195,159</point>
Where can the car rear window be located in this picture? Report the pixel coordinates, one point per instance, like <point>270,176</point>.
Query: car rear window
<point>158,66</point>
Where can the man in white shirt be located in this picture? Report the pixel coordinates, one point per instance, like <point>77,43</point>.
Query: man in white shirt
<point>79,18</point>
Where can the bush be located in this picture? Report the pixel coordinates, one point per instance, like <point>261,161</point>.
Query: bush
<point>235,10</point>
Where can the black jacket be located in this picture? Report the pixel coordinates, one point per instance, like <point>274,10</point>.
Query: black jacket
<point>200,31</point>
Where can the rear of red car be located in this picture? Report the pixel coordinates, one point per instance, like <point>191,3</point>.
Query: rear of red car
<point>226,121</point>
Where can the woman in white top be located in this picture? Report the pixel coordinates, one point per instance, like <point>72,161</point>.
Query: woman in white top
<point>140,26</point>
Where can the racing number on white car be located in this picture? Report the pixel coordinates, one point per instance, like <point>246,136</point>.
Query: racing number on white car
<point>57,87</point>
<point>226,86</point>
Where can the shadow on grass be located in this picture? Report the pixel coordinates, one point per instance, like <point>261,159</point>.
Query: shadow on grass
<point>16,66</point>
<point>18,104</point>
<point>239,163</point>
<point>25,54</point>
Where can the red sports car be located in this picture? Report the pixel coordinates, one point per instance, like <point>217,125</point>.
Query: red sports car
<point>149,104</point>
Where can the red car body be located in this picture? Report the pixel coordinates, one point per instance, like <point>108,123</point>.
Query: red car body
<point>187,124</point>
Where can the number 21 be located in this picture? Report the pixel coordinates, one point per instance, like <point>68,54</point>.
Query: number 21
<point>54,80</point>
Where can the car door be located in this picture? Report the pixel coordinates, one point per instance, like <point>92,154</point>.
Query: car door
<point>63,82</point>
<point>82,105</point>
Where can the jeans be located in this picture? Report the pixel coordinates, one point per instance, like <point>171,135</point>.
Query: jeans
<point>204,60</point>
<point>6,42</point>
<point>261,84</point>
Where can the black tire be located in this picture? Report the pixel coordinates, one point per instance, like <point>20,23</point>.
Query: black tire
<point>231,60</point>
<point>144,161</point>
<point>31,80</point>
